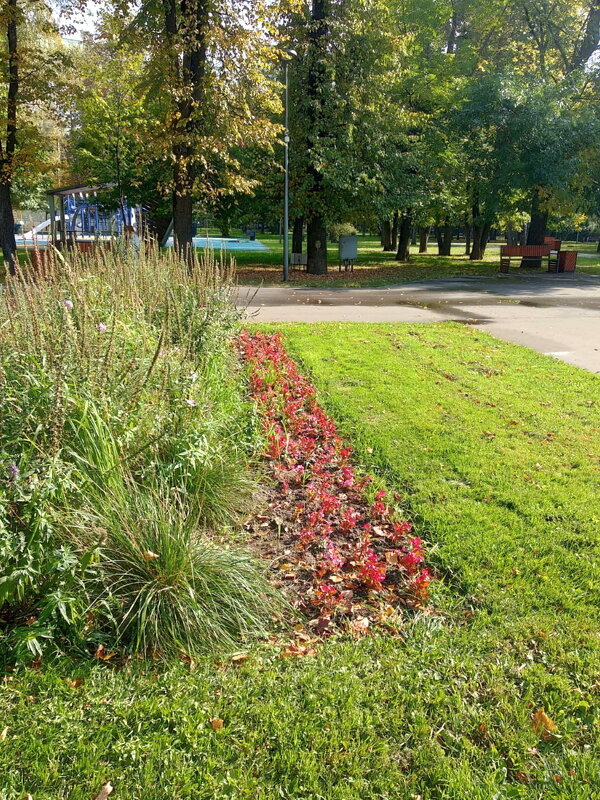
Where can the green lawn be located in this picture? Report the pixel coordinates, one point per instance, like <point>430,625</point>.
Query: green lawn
<point>376,268</point>
<point>495,451</point>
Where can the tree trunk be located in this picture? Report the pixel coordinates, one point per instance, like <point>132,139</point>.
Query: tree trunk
<point>440,239</point>
<point>485,237</point>
<point>395,231</point>
<point>413,236</point>
<point>386,235</point>
<point>537,229</point>
<point>598,246</point>
<point>446,240</point>
<point>476,254</point>
<point>316,233</point>
<point>224,226</point>
<point>187,39</point>
<point>467,239</point>
<point>316,246</point>
<point>588,41</point>
<point>403,253</point>
<point>297,234</point>
<point>182,222</point>
<point>423,239</point>
<point>7,153</point>
<point>523,234</point>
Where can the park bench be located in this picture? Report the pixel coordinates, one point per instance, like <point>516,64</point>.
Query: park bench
<point>299,260</point>
<point>524,252</point>
<point>558,261</point>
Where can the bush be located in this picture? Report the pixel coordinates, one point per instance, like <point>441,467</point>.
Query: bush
<point>341,229</point>
<point>122,407</point>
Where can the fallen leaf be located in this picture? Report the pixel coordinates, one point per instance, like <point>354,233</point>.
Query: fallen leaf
<point>102,655</point>
<point>104,791</point>
<point>150,556</point>
<point>3,735</point>
<point>360,626</point>
<point>523,777</point>
<point>542,724</point>
<point>217,724</point>
<point>297,650</point>
<point>75,683</point>
<point>239,658</point>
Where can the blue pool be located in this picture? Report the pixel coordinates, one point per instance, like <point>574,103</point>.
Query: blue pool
<point>216,242</point>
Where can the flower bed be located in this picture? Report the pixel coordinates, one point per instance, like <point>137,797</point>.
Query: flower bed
<point>341,554</point>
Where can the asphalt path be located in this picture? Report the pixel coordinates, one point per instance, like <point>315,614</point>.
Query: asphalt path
<point>555,314</point>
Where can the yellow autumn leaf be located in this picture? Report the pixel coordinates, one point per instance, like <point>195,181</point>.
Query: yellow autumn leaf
<point>542,724</point>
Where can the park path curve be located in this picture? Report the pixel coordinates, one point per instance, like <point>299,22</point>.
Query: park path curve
<point>558,315</point>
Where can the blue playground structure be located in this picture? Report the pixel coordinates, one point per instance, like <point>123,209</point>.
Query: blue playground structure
<point>85,217</point>
<point>77,215</point>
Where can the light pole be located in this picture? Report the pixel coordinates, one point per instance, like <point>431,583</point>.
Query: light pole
<point>288,54</point>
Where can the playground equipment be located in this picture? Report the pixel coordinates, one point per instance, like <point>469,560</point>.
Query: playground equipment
<point>76,215</point>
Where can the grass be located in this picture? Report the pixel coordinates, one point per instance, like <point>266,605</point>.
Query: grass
<point>375,268</point>
<point>495,451</point>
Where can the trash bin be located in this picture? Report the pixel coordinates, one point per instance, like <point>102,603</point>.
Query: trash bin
<point>252,235</point>
<point>19,227</point>
<point>567,260</point>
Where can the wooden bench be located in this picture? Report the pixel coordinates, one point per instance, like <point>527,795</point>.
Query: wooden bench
<point>558,260</point>
<point>527,251</point>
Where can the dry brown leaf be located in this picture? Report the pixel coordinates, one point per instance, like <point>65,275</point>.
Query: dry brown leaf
<point>217,724</point>
<point>523,777</point>
<point>102,655</point>
<point>150,556</point>
<point>542,724</point>
<point>239,658</point>
<point>360,626</point>
<point>104,791</point>
<point>75,683</point>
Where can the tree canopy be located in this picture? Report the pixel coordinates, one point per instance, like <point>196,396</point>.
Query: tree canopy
<point>403,115</point>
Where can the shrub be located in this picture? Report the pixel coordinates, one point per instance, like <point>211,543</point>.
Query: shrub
<point>341,229</point>
<point>117,371</point>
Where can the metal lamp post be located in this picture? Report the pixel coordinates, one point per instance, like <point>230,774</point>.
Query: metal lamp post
<point>286,173</point>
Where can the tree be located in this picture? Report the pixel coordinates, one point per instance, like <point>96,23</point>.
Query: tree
<point>31,54</point>
<point>211,60</point>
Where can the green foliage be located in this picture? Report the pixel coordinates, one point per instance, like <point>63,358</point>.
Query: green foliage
<point>121,404</point>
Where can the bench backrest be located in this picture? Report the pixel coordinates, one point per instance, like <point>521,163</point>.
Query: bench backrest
<point>527,250</point>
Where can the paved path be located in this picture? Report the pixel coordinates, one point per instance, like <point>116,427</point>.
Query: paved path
<point>558,315</point>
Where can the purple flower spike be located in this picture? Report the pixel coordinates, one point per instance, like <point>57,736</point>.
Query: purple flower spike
<point>13,472</point>
<point>68,304</point>
<point>102,327</point>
